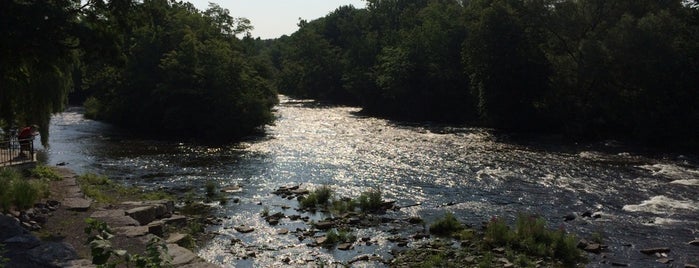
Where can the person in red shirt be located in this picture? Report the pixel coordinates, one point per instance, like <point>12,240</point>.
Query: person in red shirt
<point>26,139</point>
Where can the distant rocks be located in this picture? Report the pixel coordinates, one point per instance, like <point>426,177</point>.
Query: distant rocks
<point>244,229</point>
<point>651,251</point>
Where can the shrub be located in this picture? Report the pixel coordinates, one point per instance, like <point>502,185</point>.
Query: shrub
<point>531,237</point>
<point>342,236</point>
<point>371,200</point>
<point>7,178</point>
<point>446,226</point>
<point>210,190</point>
<point>319,197</point>
<point>20,192</point>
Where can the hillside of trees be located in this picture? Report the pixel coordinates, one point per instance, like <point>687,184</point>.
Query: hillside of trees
<point>626,69</point>
<point>594,69</point>
<point>162,68</point>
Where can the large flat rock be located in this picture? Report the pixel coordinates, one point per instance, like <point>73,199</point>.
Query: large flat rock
<point>180,256</point>
<point>77,204</point>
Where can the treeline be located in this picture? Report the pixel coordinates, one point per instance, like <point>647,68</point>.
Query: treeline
<point>588,68</point>
<point>161,67</point>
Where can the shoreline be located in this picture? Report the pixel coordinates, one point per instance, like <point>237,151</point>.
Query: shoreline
<point>58,223</point>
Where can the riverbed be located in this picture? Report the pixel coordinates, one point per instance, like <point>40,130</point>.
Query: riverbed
<point>640,200</point>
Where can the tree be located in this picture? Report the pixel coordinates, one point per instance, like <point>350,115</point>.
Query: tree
<point>508,72</point>
<point>39,57</point>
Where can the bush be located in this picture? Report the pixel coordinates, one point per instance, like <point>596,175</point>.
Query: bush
<point>531,236</point>
<point>18,191</point>
<point>446,226</point>
<point>7,178</point>
<point>371,200</point>
<point>319,197</point>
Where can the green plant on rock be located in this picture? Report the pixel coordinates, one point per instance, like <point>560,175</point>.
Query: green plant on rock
<point>446,226</point>
<point>371,200</point>
<point>101,250</point>
<point>44,172</point>
<point>335,236</point>
<point>319,197</point>
<point>530,236</point>
<point>211,190</point>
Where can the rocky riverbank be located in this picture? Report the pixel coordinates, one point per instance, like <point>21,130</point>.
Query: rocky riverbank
<point>52,234</point>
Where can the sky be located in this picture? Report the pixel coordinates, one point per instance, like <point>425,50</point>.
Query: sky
<point>274,18</point>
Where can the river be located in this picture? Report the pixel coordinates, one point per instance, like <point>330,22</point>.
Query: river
<point>643,201</point>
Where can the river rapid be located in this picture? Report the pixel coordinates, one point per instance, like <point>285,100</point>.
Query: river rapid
<point>642,201</point>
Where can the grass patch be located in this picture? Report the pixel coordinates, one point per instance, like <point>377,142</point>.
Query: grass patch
<point>371,200</point>
<point>531,237</point>
<point>44,172</point>
<point>446,226</point>
<point>104,190</point>
<point>320,197</point>
<point>19,192</point>
<point>334,237</point>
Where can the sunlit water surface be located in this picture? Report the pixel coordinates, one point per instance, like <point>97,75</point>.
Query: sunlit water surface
<point>644,201</point>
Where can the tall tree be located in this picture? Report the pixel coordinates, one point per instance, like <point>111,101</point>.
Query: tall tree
<point>38,59</point>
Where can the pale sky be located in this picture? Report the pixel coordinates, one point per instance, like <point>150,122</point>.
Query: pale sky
<point>274,18</point>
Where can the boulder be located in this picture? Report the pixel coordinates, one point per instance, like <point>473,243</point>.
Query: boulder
<point>156,228</point>
<point>132,231</point>
<point>244,229</point>
<point>53,253</point>
<point>177,238</point>
<point>324,225</point>
<point>77,204</point>
<point>176,220</point>
<point>344,246</point>
<point>10,227</point>
<point>179,255</point>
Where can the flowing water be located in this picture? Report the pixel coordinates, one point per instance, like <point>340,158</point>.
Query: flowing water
<point>644,201</point>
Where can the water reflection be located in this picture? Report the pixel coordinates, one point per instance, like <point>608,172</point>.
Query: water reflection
<point>468,169</point>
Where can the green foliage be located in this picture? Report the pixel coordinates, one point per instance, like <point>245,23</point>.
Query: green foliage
<point>334,236</point>
<point>44,172</point>
<point>39,58</point>
<point>211,190</point>
<point>446,226</point>
<point>175,71</point>
<point>104,190</point>
<point>20,192</point>
<point>101,250</point>
<point>3,259</point>
<point>531,237</point>
<point>318,197</point>
<point>550,66</point>
<point>96,187</point>
<point>371,200</point>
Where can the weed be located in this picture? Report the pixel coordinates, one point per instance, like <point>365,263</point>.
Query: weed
<point>319,197</point>
<point>531,237</point>
<point>25,193</point>
<point>44,172</point>
<point>265,211</point>
<point>210,187</point>
<point>446,226</point>
<point>102,251</point>
<point>3,259</point>
<point>342,236</point>
<point>371,200</point>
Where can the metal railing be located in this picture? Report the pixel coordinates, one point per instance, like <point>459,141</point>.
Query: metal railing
<point>15,151</point>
